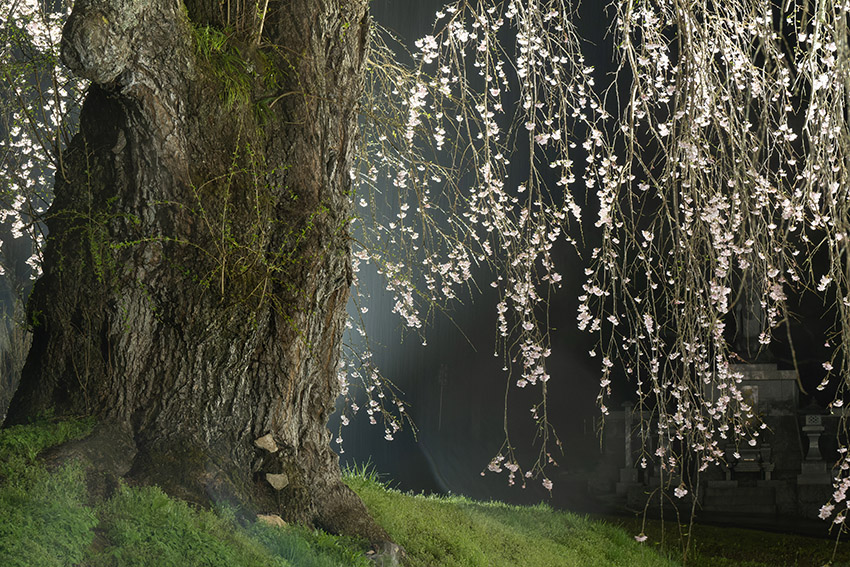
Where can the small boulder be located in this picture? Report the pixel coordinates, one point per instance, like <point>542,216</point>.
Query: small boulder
<point>267,443</point>
<point>278,481</point>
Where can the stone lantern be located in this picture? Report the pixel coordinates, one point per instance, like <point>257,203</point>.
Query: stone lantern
<point>813,468</point>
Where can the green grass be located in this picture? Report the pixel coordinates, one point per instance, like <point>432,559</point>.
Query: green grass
<point>454,531</point>
<point>145,528</point>
<point>716,546</point>
<point>20,444</point>
<point>45,524</point>
<point>46,520</point>
<point>43,520</point>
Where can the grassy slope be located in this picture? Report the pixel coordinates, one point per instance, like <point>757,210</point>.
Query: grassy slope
<point>45,521</point>
<point>455,531</point>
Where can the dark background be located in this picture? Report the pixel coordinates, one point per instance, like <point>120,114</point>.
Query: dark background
<point>455,387</point>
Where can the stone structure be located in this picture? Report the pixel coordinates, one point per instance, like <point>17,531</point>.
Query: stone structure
<point>784,475</point>
<point>750,322</point>
<point>628,472</point>
<point>760,481</point>
<point>814,469</point>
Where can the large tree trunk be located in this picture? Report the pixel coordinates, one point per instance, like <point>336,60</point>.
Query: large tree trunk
<point>197,270</point>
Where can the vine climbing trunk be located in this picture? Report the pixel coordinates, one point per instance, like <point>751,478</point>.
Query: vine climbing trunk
<point>198,264</point>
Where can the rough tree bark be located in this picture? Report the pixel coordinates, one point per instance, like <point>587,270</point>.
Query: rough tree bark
<point>197,270</point>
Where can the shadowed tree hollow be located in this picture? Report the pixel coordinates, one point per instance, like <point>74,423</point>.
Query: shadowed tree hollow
<point>198,265</point>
